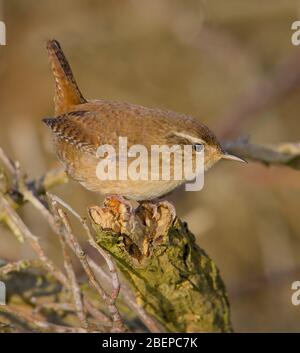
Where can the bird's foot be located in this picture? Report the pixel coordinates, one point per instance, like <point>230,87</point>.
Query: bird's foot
<point>119,214</point>
<point>117,202</point>
<point>145,227</point>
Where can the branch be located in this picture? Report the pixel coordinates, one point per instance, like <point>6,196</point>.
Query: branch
<point>35,322</point>
<point>285,154</point>
<point>105,255</point>
<point>76,247</point>
<point>32,240</point>
<point>173,279</point>
<point>20,265</point>
<point>76,292</point>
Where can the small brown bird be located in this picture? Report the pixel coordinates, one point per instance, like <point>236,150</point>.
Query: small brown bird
<point>80,126</point>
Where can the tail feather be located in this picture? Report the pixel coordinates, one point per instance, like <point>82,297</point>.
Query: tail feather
<point>67,93</point>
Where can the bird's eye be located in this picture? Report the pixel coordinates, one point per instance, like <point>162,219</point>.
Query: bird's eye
<point>198,147</point>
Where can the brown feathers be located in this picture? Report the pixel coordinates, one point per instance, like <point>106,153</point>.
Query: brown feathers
<point>80,127</point>
<point>67,93</point>
<point>67,128</point>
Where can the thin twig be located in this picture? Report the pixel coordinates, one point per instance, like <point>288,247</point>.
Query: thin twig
<point>32,321</point>
<point>107,257</point>
<point>58,227</point>
<point>112,269</point>
<point>287,154</point>
<point>20,266</point>
<point>75,289</point>
<point>129,299</point>
<point>32,240</point>
<point>76,247</point>
<point>55,306</point>
<point>91,276</point>
<point>9,164</point>
<point>28,195</point>
<point>97,314</point>
<point>50,218</point>
<point>47,181</point>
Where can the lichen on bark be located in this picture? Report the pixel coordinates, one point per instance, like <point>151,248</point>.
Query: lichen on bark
<point>172,277</point>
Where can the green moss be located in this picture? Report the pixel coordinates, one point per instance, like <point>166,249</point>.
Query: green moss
<point>177,283</point>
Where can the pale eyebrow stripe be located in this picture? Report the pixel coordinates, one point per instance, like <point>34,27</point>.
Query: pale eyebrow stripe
<point>188,137</point>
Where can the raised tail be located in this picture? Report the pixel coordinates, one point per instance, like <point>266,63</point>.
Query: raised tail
<point>67,93</point>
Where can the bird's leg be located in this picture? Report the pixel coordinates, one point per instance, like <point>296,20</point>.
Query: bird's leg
<point>122,211</point>
<point>140,230</point>
<point>117,200</point>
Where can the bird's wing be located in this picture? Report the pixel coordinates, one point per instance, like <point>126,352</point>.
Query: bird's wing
<point>69,128</point>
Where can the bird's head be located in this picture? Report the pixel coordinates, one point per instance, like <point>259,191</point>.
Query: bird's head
<point>197,134</point>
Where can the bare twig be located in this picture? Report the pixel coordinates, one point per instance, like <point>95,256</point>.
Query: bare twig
<point>55,306</point>
<point>9,164</point>
<point>28,195</point>
<point>4,217</point>
<point>76,247</point>
<point>149,321</point>
<point>90,274</point>
<point>102,319</point>
<point>32,240</point>
<point>287,154</point>
<point>104,254</point>
<point>109,261</point>
<point>49,180</point>
<point>75,289</point>
<point>39,186</point>
<point>97,314</point>
<point>32,321</point>
<point>4,187</point>
<point>20,265</point>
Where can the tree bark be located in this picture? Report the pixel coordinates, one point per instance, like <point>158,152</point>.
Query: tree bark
<point>172,277</point>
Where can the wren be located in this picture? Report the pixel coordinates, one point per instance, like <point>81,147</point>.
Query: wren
<point>80,126</point>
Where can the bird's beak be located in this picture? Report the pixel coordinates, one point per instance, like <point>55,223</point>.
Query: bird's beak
<point>231,157</point>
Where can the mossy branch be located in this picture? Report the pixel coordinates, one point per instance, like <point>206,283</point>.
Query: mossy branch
<point>172,277</point>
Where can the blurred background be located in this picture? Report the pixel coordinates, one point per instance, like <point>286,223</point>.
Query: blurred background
<point>198,57</point>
